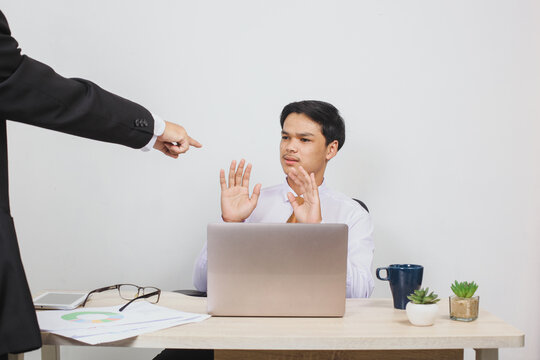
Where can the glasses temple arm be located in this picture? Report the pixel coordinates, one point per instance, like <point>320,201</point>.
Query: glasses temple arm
<point>112,287</point>
<point>141,297</point>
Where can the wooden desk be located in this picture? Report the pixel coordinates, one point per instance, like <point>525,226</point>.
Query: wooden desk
<point>370,329</point>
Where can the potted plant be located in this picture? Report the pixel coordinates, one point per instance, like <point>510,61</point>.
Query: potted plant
<point>422,307</point>
<point>464,306</point>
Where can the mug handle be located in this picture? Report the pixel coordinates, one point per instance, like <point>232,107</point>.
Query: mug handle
<point>387,278</point>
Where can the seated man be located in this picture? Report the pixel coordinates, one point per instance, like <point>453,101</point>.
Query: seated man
<point>312,133</point>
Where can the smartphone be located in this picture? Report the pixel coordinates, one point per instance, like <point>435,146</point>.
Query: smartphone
<point>59,300</point>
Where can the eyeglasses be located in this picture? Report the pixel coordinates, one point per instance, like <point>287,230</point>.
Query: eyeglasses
<point>130,292</point>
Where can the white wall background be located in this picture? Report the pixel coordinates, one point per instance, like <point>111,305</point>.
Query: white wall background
<point>441,101</point>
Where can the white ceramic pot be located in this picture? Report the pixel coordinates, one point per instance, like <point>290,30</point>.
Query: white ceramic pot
<point>422,314</point>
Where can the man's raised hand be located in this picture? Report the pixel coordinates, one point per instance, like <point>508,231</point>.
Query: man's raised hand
<point>236,204</point>
<point>310,210</point>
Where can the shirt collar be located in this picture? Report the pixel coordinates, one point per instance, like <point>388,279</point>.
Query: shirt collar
<point>286,188</point>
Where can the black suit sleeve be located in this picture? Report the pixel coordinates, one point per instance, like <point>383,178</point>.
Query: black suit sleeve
<point>32,93</point>
<point>10,54</point>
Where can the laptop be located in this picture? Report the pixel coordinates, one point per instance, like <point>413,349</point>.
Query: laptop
<point>277,269</point>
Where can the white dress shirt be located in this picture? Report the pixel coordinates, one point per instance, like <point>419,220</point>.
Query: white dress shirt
<point>159,129</point>
<point>274,207</point>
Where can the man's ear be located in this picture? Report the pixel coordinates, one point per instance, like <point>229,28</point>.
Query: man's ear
<point>331,150</point>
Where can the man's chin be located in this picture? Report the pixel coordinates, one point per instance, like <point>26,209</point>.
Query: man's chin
<point>287,168</point>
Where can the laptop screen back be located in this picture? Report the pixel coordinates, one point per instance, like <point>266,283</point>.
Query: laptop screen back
<point>277,269</point>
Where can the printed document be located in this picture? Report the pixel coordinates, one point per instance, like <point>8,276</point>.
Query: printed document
<point>106,324</point>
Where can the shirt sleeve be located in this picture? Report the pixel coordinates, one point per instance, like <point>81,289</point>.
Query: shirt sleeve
<point>360,255</point>
<point>159,129</point>
<point>200,270</point>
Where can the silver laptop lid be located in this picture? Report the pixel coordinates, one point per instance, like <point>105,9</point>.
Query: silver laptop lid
<point>277,269</point>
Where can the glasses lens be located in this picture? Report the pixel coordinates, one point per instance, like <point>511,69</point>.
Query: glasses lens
<point>154,298</point>
<point>128,292</point>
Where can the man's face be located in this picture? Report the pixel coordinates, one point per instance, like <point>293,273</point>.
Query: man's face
<point>303,144</point>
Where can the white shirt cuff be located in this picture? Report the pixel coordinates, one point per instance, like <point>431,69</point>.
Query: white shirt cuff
<point>159,129</point>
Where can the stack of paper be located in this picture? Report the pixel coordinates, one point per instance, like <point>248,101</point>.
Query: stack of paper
<point>105,324</point>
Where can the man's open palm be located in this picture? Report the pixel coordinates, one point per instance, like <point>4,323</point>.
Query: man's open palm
<point>236,204</point>
<point>309,211</point>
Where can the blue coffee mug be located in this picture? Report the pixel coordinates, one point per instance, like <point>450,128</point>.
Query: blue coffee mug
<point>403,279</point>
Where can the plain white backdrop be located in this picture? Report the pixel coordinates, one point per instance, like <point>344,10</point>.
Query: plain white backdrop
<point>442,105</point>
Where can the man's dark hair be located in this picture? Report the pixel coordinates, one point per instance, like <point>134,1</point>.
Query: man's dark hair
<point>323,113</point>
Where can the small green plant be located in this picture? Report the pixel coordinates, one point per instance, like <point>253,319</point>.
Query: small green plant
<point>421,297</point>
<point>464,289</point>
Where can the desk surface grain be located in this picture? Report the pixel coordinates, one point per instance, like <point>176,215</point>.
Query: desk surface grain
<point>368,324</point>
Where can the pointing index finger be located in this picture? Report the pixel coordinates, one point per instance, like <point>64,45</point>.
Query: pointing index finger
<point>194,142</point>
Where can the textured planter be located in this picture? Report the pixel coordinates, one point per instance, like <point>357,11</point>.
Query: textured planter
<point>422,314</point>
<point>464,309</point>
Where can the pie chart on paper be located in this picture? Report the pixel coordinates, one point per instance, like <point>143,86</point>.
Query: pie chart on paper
<point>92,317</point>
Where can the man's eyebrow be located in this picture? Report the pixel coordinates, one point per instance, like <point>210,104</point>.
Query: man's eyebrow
<point>298,134</point>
